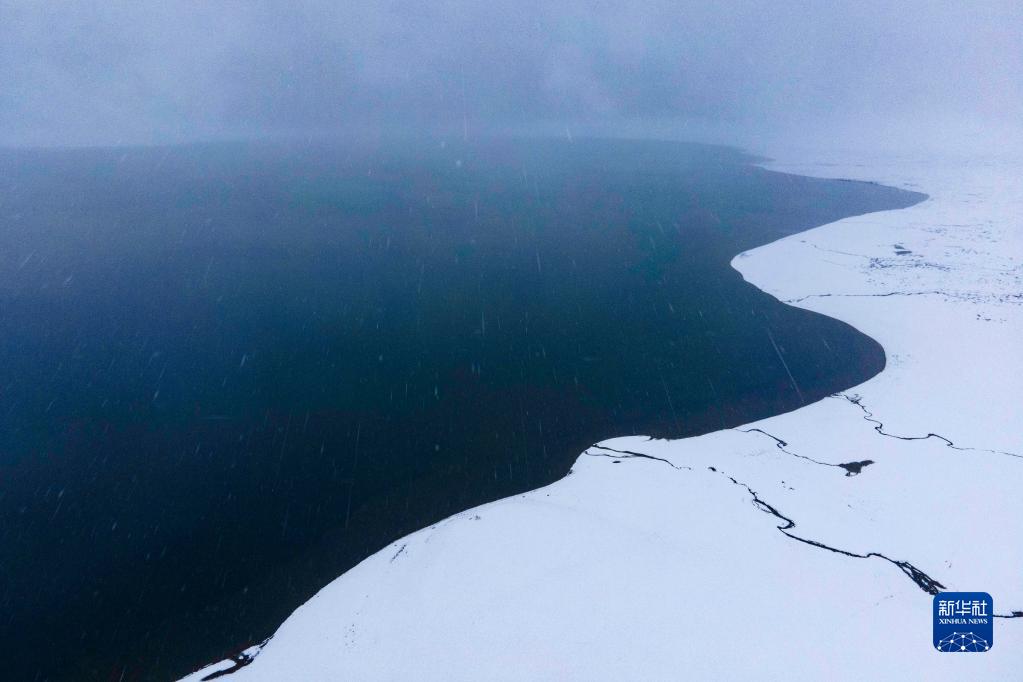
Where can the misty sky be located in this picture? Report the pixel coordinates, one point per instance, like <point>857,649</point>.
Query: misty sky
<point>110,72</point>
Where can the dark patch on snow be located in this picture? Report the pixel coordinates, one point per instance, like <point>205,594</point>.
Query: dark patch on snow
<point>240,661</point>
<point>854,468</point>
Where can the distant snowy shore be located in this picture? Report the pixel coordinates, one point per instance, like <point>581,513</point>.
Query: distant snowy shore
<point>803,546</point>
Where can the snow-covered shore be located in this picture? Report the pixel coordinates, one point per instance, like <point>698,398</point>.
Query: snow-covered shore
<point>803,546</point>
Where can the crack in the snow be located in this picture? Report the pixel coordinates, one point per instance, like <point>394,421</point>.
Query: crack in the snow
<point>851,468</point>
<point>1010,299</point>
<point>629,454</point>
<point>857,400</point>
<point>921,579</point>
<point>885,295</point>
<point>843,253</point>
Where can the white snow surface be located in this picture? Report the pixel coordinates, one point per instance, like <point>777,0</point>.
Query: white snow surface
<point>634,568</point>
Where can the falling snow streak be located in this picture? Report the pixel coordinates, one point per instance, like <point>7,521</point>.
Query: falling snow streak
<point>784,364</point>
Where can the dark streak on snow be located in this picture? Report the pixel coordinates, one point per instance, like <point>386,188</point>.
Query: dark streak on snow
<point>842,253</point>
<point>879,427</point>
<point>399,552</point>
<point>629,454</point>
<point>962,296</point>
<point>851,468</point>
<point>885,295</point>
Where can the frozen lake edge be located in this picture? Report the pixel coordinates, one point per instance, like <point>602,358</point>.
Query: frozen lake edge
<point>586,579</point>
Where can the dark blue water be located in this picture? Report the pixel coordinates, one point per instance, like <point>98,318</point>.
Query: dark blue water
<point>228,373</point>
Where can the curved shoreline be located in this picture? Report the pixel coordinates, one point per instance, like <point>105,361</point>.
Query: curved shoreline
<point>731,465</point>
<point>636,324</point>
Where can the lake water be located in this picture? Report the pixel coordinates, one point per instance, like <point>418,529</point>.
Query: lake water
<point>230,372</point>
